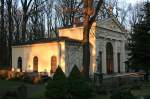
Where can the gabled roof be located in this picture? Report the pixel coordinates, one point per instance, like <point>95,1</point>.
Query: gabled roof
<point>111,23</point>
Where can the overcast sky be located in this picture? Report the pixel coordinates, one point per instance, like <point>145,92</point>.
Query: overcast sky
<point>133,1</point>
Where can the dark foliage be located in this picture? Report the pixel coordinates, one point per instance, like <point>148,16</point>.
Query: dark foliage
<point>78,87</point>
<point>73,87</point>
<point>19,93</point>
<point>56,87</point>
<point>140,42</point>
<point>122,94</point>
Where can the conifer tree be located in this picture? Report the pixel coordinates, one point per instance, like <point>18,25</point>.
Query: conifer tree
<point>56,87</point>
<point>139,45</point>
<point>78,87</point>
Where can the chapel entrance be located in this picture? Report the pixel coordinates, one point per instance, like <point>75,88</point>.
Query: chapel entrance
<point>20,63</point>
<point>109,58</point>
<point>35,64</point>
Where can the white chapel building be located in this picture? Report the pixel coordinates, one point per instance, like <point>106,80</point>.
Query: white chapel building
<point>107,45</point>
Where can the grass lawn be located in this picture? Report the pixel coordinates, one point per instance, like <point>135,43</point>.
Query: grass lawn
<point>34,91</point>
<point>37,91</point>
<point>144,91</point>
<point>101,97</point>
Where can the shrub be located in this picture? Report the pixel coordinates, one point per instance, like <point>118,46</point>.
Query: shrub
<point>73,87</point>
<point>78,87</point>
<point>56,87</point>
<point>147,97</point>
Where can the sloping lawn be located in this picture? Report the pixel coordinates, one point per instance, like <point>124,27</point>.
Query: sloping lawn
<point>7,85</point>
<point>101,97</point>
<point>144,91</point>
<point>37,91</point>
<point>34,91</point>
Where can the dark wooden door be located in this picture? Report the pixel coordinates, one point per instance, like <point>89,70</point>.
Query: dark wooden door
<point>109,58</point>
<point>53,64</point>
<point>35,64</point>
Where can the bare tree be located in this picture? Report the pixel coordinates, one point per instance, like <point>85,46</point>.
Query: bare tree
<point>25,6</point>
<point>68,10</point>
<point>2,22</point>
<point>34,18</point>
<point>136,14</point>
<point>17,20</point>
<point>2,35</point>
<point>88,19</point>
<point>10,31</point>
<point>120,10</point>
<point>49,11</point>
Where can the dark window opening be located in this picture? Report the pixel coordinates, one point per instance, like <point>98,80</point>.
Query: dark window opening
<point>118,59</point>
<point>20,63</point>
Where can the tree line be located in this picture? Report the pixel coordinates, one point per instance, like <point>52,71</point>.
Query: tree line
<point>30,20</point>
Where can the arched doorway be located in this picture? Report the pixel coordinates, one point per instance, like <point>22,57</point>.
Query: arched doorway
<point>35,64</point>
<point>109,58</point>
<point>20,63</point>
<point>53,64</point>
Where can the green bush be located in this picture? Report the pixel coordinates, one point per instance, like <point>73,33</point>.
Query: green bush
<point>56,87</point>
<point>73,87</point>
<point>147,97</point>
<point>78,87</point>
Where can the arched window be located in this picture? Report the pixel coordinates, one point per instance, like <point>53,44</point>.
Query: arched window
<point>109,58</point>
<point>20,63</point>
<point>53,64</point>
<point>35,64</point>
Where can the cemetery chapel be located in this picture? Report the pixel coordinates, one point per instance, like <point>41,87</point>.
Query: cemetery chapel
<point>107,49</point>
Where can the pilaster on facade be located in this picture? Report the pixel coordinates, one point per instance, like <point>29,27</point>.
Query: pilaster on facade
<point>115,57</point>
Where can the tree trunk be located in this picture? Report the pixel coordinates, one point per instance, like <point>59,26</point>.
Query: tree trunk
<point>9,3</point>
<point>2,21</point>
<point>2,34</point>
<point>17,34</point>
<point>86,48</point>
<point>88,19</point>
<point>23,30</point>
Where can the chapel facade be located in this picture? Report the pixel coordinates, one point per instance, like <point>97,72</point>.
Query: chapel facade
<point>107,49</point>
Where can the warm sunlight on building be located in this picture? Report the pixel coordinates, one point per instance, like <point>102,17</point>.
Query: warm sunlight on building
<point>107,48</point>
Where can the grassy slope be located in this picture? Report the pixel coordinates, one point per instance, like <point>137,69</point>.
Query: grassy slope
<point>34,91</point>
<point>37,91</point>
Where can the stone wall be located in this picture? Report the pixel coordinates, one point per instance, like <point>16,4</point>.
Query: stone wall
<point>74,55</point>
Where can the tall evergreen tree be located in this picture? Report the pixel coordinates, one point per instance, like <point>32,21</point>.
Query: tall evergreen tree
<point>140,42</point>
